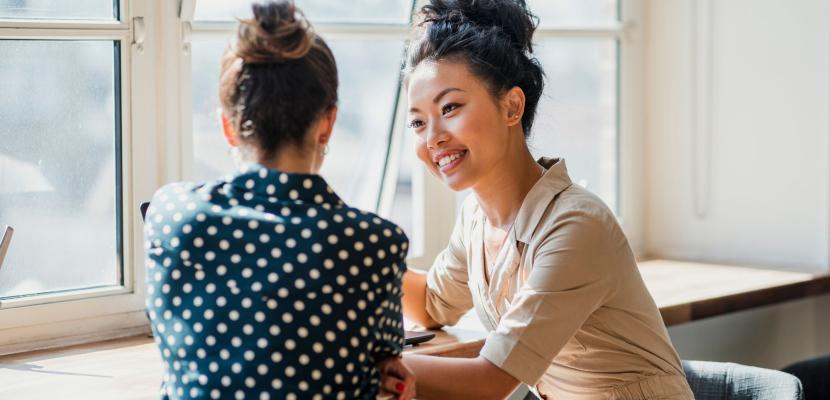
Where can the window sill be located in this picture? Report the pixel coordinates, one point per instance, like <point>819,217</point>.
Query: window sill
<point>684,292</point>
<point>687,292</point>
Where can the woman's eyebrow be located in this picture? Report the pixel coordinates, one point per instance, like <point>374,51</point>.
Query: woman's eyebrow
<point>444,92</point>
<point>439,96</point>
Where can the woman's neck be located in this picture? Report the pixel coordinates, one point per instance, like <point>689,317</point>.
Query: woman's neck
<point>291,160</point>
<point>501,193</point>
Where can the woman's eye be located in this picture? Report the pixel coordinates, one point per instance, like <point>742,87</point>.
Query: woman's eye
<point>415,123</point>
<point>449,108</point>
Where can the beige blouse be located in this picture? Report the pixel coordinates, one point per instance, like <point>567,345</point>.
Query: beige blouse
<point>565,306</point>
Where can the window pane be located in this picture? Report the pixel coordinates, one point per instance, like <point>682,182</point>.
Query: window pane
<point>58,177</point>
<point>57,9</point>
<point>407,209</point>
<point>374,11</point>
<point>577,117</point>
<point>574,12</point>
<point>368,75</point>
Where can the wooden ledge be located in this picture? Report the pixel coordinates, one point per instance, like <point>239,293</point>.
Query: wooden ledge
<point>131,368</point>
<point>687,292</point>
<point>684,292</point>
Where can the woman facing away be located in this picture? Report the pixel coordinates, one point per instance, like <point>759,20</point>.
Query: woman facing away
<point>265,285</point>
<point>543,262</point>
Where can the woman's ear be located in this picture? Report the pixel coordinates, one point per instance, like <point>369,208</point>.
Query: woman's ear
<point>228,131</point>
<point>326,126</point>
<point>513,104</point>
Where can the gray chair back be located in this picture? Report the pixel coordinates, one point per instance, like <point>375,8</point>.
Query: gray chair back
<point>729,381</point>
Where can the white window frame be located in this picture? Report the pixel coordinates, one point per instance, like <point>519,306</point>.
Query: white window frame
<point>85,315</point>
<point>157,148</point>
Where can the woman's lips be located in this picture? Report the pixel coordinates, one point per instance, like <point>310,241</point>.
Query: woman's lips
<point>450,161</point>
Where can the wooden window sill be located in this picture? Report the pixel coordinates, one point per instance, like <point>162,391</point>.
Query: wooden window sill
<point>131,368</point>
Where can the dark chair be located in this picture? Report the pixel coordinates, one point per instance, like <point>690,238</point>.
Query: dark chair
<point>729,381</point>
<point>814,375</point>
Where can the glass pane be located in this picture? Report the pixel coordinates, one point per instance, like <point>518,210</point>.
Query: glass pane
<point>574,12</point>
<point>407,209</point>
<point>374,11</point>
<point>58,178</point>
<point>368,86</point>
<point>57,9</point>
<point>577,116</point>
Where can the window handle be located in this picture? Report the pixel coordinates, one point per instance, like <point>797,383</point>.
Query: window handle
<point>139,34</point>
<point>5,242</point>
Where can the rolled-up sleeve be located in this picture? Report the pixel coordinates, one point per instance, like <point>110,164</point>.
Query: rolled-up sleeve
<point>571,276</point>
<point>448,294</point>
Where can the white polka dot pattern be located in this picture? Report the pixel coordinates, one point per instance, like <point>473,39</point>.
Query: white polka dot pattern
<point>264,285</point>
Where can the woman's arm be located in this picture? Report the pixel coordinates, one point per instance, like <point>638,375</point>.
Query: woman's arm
<point>459,378</point>
<point>415,299</point>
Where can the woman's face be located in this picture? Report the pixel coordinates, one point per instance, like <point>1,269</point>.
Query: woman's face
<point>460,131</point>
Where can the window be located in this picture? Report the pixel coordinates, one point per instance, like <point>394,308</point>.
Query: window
<point>61,163</point>
<point>107,100</point>
<point>578,43</point>
<point>66,160</point>
<point>368,41</point>
<point>89,10</point>
<point>60,181</point>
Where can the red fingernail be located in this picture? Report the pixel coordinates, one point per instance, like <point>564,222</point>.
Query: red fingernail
<point>400,387</point>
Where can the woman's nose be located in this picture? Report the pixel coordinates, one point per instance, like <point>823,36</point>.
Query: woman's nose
<point>436,135</point>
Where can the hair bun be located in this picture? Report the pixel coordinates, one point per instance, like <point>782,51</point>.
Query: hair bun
<point>510,16</point>
<point>277,33</point>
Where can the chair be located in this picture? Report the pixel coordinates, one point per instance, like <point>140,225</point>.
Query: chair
<point>729,381</point>
<point>814,375</point>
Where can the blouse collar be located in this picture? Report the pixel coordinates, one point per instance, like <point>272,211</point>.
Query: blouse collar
<point>284,186</point>
<point>552,182</point>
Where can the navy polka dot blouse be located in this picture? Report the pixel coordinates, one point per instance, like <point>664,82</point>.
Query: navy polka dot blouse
<point>265,285</point>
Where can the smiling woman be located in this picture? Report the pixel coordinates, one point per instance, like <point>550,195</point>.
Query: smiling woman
<point>544,262</point>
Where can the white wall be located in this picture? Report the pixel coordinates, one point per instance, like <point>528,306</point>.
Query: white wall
<point>762,82</point>
<point>738,98</point>
<point>770,337</point>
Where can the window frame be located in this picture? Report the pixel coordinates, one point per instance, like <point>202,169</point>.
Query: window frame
<point>89,314</point>
<point>156,137</point>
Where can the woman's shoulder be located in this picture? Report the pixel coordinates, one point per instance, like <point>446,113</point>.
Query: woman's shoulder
<point>370,228</point>
<point>578,209</point>
<point>181,204</point>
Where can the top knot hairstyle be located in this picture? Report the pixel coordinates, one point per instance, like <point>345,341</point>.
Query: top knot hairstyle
<point>493,37</point>
<point>278,79</point>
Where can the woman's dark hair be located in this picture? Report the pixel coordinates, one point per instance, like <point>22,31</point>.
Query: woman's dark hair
<point>493,37</point>
<point>278,79</point>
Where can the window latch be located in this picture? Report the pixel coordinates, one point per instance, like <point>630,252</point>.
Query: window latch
<point>139,34</point>
<point>187,34</point>
<point>5,242</point>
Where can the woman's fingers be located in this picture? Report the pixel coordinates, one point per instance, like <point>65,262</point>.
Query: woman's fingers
<point>394,385</point>
<point>399,379</point>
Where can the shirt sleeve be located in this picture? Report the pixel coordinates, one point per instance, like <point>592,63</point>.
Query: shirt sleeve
<point>448,294</point>
<point>572,275</point>
<point>390,321</point>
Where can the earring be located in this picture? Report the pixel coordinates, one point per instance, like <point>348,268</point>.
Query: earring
<point>325,149</point>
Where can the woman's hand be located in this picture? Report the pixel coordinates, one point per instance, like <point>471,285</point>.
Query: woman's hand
<point>396,379</point>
